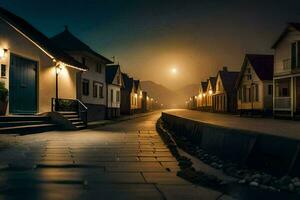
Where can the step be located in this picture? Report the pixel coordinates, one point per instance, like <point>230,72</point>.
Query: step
<point>80,127</point>
<point>68,113</point>
<point>71,116</point>
<point>19,123</point>
<point>78,123</point>
<point>29,129</point>
<point>23,118</point>
<point>74,120</point>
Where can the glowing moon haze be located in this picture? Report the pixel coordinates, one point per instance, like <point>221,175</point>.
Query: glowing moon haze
<point>174,70</point>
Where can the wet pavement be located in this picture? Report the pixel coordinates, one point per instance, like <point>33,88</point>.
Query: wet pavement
<point>127,160</point>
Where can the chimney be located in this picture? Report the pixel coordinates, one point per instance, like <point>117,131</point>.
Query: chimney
<point>225,69</point>
<point>66,28</point>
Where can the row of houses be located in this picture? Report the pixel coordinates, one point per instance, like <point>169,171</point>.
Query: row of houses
<point>268,84</point>
<point>62,74</point>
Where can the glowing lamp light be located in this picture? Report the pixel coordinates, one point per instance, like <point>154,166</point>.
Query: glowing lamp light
<point>210,92</point>
<point>58,69</point>
<point>200,96</point>
<point>2,53</point>
<point>204,95</point>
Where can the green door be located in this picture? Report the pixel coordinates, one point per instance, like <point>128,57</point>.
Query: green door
<point>22,85</point>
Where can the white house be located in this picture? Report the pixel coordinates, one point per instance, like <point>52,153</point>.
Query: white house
<point>91,85</point>
<point>211,89</point>
<point>287,72</point>
<point>32,68</point>
<point>224,98</point>
<point>201,99</point>
<point>114,82</point>
<point>255,85</point>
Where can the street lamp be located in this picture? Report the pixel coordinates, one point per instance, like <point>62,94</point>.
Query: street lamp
<point>58,69</point>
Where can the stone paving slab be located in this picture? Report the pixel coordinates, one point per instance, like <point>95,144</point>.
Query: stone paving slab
<point>127,160</point>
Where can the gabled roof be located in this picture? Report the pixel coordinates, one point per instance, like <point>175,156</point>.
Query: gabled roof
<point>213,81</point>
<point>203,85</point>
<point>229,80</point>
<point>286,30</point>
<point>111,72</point>
<point>136,85</point>
<point>38,38</point>
<point>68,42</point>
<point>128,82</point>
<point>263,66</point>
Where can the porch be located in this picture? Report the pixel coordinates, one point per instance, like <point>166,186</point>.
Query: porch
<point>286,98</point>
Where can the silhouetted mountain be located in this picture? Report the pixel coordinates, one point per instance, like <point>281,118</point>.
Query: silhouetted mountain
<point>188,91</point>
<point>168,97</point>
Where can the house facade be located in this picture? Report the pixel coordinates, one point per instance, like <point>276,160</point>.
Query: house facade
<point>201,99</point>
<point>139,94</point>
<point>287,72</point>
<point>32,68</point>
<point>224,98</point>
<point>114,84</point>
<point>255,85</point>
<point>210,91</point>
<point>91,85</point>
<point>128,96</point>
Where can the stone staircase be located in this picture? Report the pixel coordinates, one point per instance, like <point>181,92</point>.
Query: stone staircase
<point>75,119</point>
<point>26,124</point>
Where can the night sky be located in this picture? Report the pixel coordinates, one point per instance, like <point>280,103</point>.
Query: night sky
<point>150,37</point>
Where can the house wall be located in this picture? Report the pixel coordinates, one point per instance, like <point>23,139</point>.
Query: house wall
<point>257,105</point>
<point>283,53</point>
<point>113,103</point>
<point>93,76</point>
<point>17,44</point>
<point>220,97</point>
<point>125,101</point>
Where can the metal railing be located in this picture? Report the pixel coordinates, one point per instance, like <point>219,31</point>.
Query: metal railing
<point>283,103</point>
<point>70,105</point>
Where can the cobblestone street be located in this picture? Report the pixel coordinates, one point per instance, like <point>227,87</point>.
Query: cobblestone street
<point>127,160</point>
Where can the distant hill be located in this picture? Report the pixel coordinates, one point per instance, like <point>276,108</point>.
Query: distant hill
<point>168,97</point>
<point>188,91</point>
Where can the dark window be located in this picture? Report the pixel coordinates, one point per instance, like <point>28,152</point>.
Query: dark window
<point>95,90</point>
<point>285,92</point>
<point>111,95</point>
<point>256,93</point>
<point>298,54</point>
<point>3,70</point>
<point>240,94</point>
<point>294,55</point>
<point>83,60</point>
<point>85,87</point>
<point>270,89</point>
<point>101,90</point>
<point>99,68</point>
<point>244,93</point>
<point>118,96</point>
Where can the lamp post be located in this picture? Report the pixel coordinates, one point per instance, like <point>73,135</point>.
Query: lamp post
<point>58,69</point>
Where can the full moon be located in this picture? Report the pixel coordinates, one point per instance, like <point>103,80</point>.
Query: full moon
<point>174,71</point>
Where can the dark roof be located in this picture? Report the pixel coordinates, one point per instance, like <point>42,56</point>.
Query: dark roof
<point>213,81</point>
<point>203,85</point>
<point>286,30</point>
<point>128,82</point>
<point>229,80</point>
<point>111,71</point>
<point>263,66</point>
<point>136,84</point>
<point>38,37</point>
<point>68,42</point>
